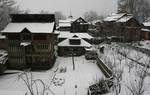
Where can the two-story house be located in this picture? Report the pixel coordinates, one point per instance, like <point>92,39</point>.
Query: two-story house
<point>30,41</point>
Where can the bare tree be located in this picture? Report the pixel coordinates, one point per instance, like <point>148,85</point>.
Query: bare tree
<point>35,86</point>
<point>91,16</point>
<point>7,7</point>
<point>59,15</point>
<point>137,87</point>
<point>139,8</point>
<point>44,12</point>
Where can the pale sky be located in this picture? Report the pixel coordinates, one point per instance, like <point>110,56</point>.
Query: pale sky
<point>77,7</point>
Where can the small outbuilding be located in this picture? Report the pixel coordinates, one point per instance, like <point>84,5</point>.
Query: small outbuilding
<point>72,46</point>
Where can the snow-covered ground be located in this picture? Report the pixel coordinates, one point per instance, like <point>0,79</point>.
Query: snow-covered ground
<point>143,44</point>
<point>66,81</point>
<point>117,62</point>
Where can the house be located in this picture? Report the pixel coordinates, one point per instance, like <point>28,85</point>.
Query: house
<point>65,25</point>
<point>30,41</point>
<point>122,25</point>
<point>3,60</point>
<point>145,31</point>
<point>147,25</point>
<point>72,46</point>
<point>145,34</point>
<point>64,35</point>
<point>79,25</point>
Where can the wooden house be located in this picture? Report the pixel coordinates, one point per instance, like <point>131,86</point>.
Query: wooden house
<point>122,25</point>
<point>65,25</point>
<point>30,41</point>
<point>145,34</point>
<point>72,46</point>
<point>79,25</point>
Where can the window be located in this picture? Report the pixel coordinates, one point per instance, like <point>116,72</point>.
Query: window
<point>40,37</point>
<point>26,37</point>
<point>42,46</point>
<point>13,36</point>
<point>14,48</point>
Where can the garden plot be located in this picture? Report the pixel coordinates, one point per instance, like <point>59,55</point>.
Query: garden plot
<point>75,82</point>
<point>131,75</point>
<point>61,79</point>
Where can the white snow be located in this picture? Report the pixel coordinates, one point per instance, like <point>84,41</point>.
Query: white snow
<point>144,29</point>
<point>2,37</point>
<point>70,82</point>
<point>32,27</point>
<point>147,23</point>
<point>114,17</point>
<point>70,35</point>
<point>143,44</point>
<point>25,43</point>
<point>66,43</point>
<point>125,18</point>
<point>111,56</point>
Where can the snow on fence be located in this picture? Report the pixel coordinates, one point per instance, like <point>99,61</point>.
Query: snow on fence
<point>104,68</point>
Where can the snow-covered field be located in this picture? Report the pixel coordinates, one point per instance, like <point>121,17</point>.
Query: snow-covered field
<point>118,63</point>
<point>66,81</point>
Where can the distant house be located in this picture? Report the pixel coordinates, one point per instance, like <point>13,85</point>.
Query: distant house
<point>79,25</point>
<point>65,35</point>
<point>72,46</point>
<point>145,34</point>
<point>65,25</point>
<point>145,31</point>
<point>122,25</point>
<point>147,25</point>
<point>30,41</point>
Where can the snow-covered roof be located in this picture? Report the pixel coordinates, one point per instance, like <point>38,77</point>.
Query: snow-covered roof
<point>66,43</point>
<point>68,20</point>
<point>64,24</point>
<point>25,43</point>
<point>125,18</point>
<point>114,17</point>
<point>32,27</point>
<point>146,23</point>
<point>2,37</point>
<point>144,29</point>
<point>70,35</point>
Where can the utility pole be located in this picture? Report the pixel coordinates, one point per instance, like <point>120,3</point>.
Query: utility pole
<point>73,59</point>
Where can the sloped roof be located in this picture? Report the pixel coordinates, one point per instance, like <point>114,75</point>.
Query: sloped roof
<point>64,24</point>
<point>147,23</point>
<point>125,18</point>
<point>32,27</point>
<point>66,43</point>
<point>114,17</point>
<point>147,30</point>
<point>70,35</point>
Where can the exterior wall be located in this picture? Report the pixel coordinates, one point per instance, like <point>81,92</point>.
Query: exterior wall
<point>80,25</point>
<point>145,35</point>
<point>38,55</point>
<point>129,31</point>
<point>3,44</point>
<point>67,51</point>
<point>64,28</point>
